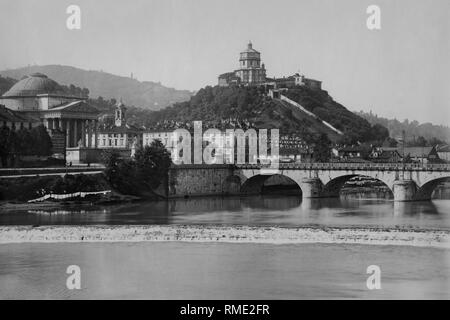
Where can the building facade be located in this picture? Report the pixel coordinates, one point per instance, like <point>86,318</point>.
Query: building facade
<point>68,119</point>
<point>120,135</point>
<point>15,121</point>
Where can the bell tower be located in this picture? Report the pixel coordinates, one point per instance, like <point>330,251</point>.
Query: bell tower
<point>120,119</point>
<point>250,71</point>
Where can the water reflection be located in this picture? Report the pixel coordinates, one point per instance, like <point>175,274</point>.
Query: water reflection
<point>255,210</point>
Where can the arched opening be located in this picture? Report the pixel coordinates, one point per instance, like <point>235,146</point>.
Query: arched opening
<point>434,189</point>
<point>271,184</point>
<point>357,187</point>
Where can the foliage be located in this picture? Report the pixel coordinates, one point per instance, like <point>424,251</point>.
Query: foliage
<point>413,129</point>
<point>214,104</point>
<point>152,163</point>
<point>321,148</point>
<point>5,84</point>
<point>75,183</point>
<point>145,172</point>
<point>355,128</point>
<point>35,141</point>
<point>27,188</point>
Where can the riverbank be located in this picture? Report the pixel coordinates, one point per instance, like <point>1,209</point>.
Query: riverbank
<point>229,234</point>
<point>90,202</point>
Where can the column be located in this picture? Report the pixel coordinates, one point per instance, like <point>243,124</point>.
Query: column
<point>50,124</point>
<point>311,187</point>
<point>89,133</point>
<point>83,133</point>
<point>57,124</point>
<point>67,130</point>
<point>95,134</point>
<point>404,190</point>
<point>75,133</point>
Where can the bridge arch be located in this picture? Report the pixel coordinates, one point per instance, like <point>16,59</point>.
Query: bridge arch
<point>334,186</point>
<point>260,183</point>
<point>425,191</point>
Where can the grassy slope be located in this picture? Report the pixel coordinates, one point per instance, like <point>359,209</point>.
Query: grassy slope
<point>212,104</point>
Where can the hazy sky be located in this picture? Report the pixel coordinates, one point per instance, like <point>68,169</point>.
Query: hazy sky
<point>399,71</point>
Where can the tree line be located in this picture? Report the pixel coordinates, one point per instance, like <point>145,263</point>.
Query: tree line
<point>23,142</point>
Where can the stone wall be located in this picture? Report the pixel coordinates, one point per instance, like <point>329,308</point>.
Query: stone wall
<point>186,180</point>
<point>79,155</point>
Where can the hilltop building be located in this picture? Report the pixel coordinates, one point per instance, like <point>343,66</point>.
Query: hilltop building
<point>252,72</point>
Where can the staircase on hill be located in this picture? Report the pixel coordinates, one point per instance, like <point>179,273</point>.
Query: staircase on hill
<point>285,99</point>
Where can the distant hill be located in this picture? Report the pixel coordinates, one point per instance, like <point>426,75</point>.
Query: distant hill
<point>146,94</point>
<point>413,129</point>
<point>5,84</point>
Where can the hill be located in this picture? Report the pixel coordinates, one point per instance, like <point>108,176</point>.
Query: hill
<point>413,129</point>
<point>228,107</point>
<point>6,83</point>
<point>146,94</point>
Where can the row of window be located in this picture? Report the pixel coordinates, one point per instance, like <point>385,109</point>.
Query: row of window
<point>250,63</point>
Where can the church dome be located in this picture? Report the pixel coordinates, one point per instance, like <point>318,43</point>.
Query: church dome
<point>250,49</point>
<point>34,84</point>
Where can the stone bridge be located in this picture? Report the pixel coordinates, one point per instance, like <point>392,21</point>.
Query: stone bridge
<point>408,182</point>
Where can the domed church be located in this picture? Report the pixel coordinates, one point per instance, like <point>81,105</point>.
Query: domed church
<point>70,120</point>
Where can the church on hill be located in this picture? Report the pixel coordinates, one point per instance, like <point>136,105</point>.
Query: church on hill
<point>252,72</point>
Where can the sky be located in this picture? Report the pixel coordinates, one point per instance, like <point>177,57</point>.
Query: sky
<point>401,70</point>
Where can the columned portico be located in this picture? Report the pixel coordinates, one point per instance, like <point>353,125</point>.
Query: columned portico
<point>78,125</point>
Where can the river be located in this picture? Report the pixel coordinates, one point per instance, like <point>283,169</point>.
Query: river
<point>209,270</point>
<point>286,211</point>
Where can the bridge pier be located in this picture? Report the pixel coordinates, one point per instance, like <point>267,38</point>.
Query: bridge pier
<point>311,187</point>
<point>404,190</point>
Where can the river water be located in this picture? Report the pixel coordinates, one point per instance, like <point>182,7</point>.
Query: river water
<point>286,211</point>
<point>184,270</point>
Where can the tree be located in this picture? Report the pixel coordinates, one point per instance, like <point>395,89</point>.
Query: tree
<point>4,145</point>
<point>435,141</point>
<point>135,176</point>
<point>152,163</point>
<point>419,142</point>
<point>42,143</point>
<point>377,133</point>
<point>26,142</point>
<point>390,143</point>
<point>322,148</point>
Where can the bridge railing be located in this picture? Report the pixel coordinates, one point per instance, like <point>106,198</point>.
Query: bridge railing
<point>355,166</point>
